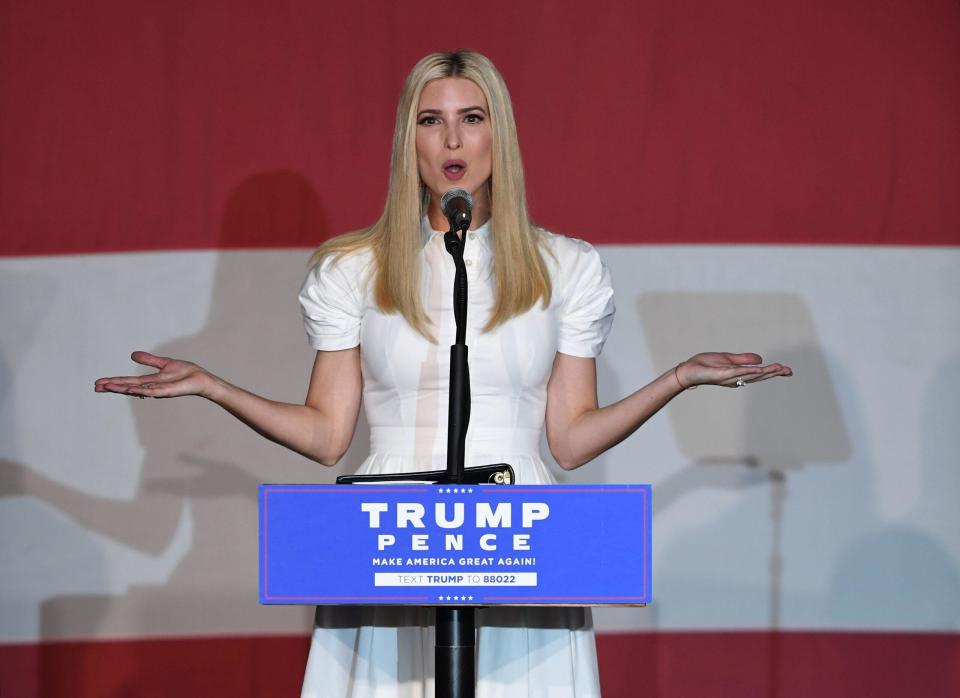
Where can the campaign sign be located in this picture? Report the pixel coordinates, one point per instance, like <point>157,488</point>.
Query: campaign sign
<point>467,545</point>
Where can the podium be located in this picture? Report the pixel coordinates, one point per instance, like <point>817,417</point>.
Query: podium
<point>463,545</point>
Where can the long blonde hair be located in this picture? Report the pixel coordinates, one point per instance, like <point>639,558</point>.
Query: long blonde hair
<point>520,272</point>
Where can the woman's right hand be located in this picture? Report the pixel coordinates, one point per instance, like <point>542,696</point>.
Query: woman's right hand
<point>172,379</point>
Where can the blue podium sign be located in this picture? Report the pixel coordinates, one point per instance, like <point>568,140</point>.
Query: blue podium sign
<point>462,545</point>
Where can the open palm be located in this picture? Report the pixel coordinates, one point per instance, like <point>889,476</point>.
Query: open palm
<point>727,369</point>
<point>173,378</point>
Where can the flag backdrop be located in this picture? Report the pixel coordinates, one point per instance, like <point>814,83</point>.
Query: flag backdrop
<point>776,177</point>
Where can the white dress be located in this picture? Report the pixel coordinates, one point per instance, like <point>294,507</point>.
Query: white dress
<point>386,652</point>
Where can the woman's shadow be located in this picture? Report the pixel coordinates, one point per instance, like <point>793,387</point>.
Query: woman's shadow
<point>197,499</point>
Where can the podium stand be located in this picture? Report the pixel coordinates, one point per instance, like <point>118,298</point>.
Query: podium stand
<point>455,547</point>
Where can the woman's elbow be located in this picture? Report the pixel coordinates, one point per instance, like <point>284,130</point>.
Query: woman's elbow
<point>333,451</point>
<point>566,458</point>
<point>327,432</point>
<point>333,454</point>
<point>329,460</point>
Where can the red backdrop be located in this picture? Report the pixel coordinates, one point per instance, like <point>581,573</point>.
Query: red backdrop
<point>133,126</point>
<point>127,126</point>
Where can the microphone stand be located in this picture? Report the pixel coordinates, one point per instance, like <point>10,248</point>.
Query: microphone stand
<point>456,625</point>
<point>455,653</point>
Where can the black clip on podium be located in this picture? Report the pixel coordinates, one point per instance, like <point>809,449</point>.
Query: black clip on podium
<point>456,628</point>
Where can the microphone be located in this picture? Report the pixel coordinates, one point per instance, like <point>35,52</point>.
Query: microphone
<point>456,205</point>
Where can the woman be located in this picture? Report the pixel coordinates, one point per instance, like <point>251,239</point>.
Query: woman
<point>378,308</point>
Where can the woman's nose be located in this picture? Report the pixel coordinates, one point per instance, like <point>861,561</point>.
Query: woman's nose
<point>452,138</point>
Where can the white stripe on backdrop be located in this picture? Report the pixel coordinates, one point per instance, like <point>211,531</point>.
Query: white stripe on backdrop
<point>826,501</point>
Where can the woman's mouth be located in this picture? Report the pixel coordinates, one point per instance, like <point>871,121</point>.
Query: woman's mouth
<point>454,169</point>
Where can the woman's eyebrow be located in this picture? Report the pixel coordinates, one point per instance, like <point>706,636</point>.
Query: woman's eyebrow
<point>464,110</point>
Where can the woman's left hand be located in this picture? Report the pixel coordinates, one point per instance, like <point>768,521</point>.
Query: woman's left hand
<point>729,370</point>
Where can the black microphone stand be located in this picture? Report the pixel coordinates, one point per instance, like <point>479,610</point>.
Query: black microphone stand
<point>456,626</point>
<point>455,658</point>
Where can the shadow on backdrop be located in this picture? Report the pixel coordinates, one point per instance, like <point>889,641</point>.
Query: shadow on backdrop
<point>756,436</point>
<point>907,577</point>
<point>196,503</point>
<point>893,575</point>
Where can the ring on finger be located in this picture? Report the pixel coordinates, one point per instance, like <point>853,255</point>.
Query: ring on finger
<point>740,383</point>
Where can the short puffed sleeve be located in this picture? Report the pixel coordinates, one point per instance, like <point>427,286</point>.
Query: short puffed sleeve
<point>332,302</point>
<point>586,314</point>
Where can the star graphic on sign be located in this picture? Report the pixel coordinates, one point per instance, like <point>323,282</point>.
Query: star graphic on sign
<point>470,598</point>
<point>470,490</point>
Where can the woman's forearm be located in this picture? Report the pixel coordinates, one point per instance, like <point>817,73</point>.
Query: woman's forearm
<point>320,429</point>
<point>306,429</point>
<point>579,431</point>
<point>595,430</point>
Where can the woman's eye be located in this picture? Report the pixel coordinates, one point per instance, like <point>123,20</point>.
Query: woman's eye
<point>428,120</point>
<point>473,118</point>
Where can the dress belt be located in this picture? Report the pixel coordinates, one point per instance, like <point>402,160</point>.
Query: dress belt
<point>427,441</point>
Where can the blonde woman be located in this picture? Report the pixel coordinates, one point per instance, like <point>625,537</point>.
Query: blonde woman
<point>377,307</point>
